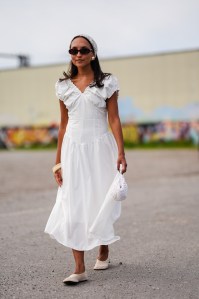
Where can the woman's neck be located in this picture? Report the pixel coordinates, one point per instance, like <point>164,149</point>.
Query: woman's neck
<point>85,71</point>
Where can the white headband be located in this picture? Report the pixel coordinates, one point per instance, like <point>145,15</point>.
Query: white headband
<point>93,43</point>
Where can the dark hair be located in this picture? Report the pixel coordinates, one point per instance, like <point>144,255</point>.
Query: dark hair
<point>95,65</point>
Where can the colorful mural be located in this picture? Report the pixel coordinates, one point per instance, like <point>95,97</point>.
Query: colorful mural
<point>134,134</point>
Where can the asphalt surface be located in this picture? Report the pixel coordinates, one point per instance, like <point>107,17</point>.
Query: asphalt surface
<point>157,256</point>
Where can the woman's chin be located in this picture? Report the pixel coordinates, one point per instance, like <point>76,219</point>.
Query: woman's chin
<point>81,64</point>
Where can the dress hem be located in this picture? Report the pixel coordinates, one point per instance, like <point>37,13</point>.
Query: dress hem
<point>98,243</point>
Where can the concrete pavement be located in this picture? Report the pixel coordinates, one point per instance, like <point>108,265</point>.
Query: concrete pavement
<point>157,256</point>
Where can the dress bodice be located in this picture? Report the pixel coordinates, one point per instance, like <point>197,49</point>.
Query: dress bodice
<point>86,110</point>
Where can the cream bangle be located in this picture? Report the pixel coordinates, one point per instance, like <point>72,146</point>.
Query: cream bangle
<point>56,167</point>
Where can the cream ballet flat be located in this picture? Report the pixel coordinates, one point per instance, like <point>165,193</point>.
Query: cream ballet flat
<point>101,265</point>
<point>75,278</point>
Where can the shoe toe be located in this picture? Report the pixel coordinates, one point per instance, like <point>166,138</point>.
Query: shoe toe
<point>75,278</point>
<point>101,265</point>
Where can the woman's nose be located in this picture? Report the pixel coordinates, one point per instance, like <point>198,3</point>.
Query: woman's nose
<point>79,54</point>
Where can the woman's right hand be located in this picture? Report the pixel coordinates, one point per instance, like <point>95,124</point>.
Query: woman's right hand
<point>58,177</point>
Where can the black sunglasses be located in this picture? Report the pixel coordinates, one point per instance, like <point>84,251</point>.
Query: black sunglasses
<point>83,51</point>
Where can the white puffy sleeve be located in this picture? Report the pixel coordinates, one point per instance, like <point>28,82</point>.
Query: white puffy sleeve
<point>111,85</point>
<point>59,90</point>
<point>66,92</point>
<point>103,93</point>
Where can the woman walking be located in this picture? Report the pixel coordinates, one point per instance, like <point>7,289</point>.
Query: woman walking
<point>88,158</point>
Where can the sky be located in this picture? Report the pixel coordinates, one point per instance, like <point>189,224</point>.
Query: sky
<point>43,29</point>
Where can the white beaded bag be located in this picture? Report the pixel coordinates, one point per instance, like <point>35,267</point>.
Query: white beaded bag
<point>119,188</point>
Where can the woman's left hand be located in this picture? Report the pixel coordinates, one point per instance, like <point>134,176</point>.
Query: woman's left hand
<point>122,160</point>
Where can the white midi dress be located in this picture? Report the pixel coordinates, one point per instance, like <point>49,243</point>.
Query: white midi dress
<point>81,217</point>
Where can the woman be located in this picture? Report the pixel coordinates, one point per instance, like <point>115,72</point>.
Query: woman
<point>88,157</point>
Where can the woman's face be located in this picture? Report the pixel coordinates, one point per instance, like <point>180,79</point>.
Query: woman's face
<point>81,60</point>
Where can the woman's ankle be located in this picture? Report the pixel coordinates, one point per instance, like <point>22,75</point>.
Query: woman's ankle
<point>79,269</point>
<point>103,253</point>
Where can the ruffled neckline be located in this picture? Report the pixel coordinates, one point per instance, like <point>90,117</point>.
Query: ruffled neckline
<point>75,86</point>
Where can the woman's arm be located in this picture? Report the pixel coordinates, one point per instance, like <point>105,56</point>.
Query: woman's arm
<point>115,124</point>
<point>62,129</point>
